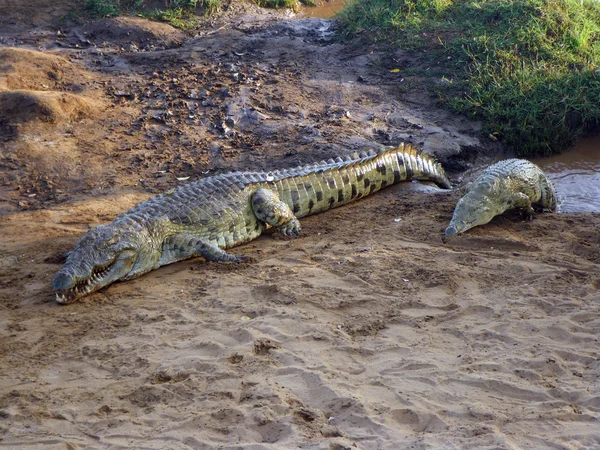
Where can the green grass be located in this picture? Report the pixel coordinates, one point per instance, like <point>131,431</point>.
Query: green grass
<point>101,8</point>
<point>178,13</point>
<point>527,68</point>
<point>182,18</point>
<point>294,5</point>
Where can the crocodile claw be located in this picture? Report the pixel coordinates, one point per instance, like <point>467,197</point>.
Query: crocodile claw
<point>237,258</point>
<point>527,215</point>
<point>291,229</point>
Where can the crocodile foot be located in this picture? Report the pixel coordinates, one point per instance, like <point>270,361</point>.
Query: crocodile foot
<point>290,229</point>
<point>527,214</point>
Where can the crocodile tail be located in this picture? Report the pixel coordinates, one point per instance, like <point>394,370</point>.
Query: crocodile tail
<point>549,198</point>
<point>421,166</point>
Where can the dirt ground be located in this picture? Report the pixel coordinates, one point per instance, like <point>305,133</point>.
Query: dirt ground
<point>364,333</point>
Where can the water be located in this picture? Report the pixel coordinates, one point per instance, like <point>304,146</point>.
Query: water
<point>576,176</point>
<point>325,11</point>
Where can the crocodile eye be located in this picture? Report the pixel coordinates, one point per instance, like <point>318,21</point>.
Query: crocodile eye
<point>109,242</point>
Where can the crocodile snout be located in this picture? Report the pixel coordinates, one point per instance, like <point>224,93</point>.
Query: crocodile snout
<point>450,231</point>
<point>63,281</point>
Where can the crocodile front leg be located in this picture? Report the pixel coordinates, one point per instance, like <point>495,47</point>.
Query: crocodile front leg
<point>183,246</point>
<point>269,208</point>
<point>522,201</point>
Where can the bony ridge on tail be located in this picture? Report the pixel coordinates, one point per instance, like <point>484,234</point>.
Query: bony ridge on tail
<point>508,184</point>
<point>208,216</point>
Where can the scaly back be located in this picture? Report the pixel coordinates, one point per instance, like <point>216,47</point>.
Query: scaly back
<point>306,189</point>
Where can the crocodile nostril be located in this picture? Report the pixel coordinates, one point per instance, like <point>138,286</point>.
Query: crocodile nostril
<point>62,281</point>
<point>450,231</point>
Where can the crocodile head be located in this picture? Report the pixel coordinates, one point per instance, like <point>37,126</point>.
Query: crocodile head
<point>471,210</point>
<point>102,256</point>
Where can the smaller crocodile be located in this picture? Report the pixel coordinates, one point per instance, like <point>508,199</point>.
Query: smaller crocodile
<point>208,216</point>
<point>508,184</point>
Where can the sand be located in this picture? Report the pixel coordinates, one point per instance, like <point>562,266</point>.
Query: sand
<point>367,332</point>
<point>364,333</point>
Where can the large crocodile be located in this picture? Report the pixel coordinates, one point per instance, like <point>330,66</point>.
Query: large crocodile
<point>215,213</point>
<point>508,184</point>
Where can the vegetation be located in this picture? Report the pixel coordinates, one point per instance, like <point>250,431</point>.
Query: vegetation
<point>291,4</point>
<point>178,13</point>
<point>527,68</point>
<point>180,17</point>
<point>102,8</point>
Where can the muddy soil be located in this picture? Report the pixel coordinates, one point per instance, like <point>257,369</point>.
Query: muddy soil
<point>366,332</point>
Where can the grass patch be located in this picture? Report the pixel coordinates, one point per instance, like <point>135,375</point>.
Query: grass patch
<point>294,5</point>
<point>101,8</point>
<point>178,13</point>
<point>181,18</point>
<point>527,68</point>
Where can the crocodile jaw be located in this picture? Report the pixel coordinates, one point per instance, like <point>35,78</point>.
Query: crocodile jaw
<point>103,255</point>
<point>71,285</point>
<point>74,287</point>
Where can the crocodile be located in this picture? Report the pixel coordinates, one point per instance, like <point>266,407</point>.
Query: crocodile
<point>210,215</point>
<point>508,184</point>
